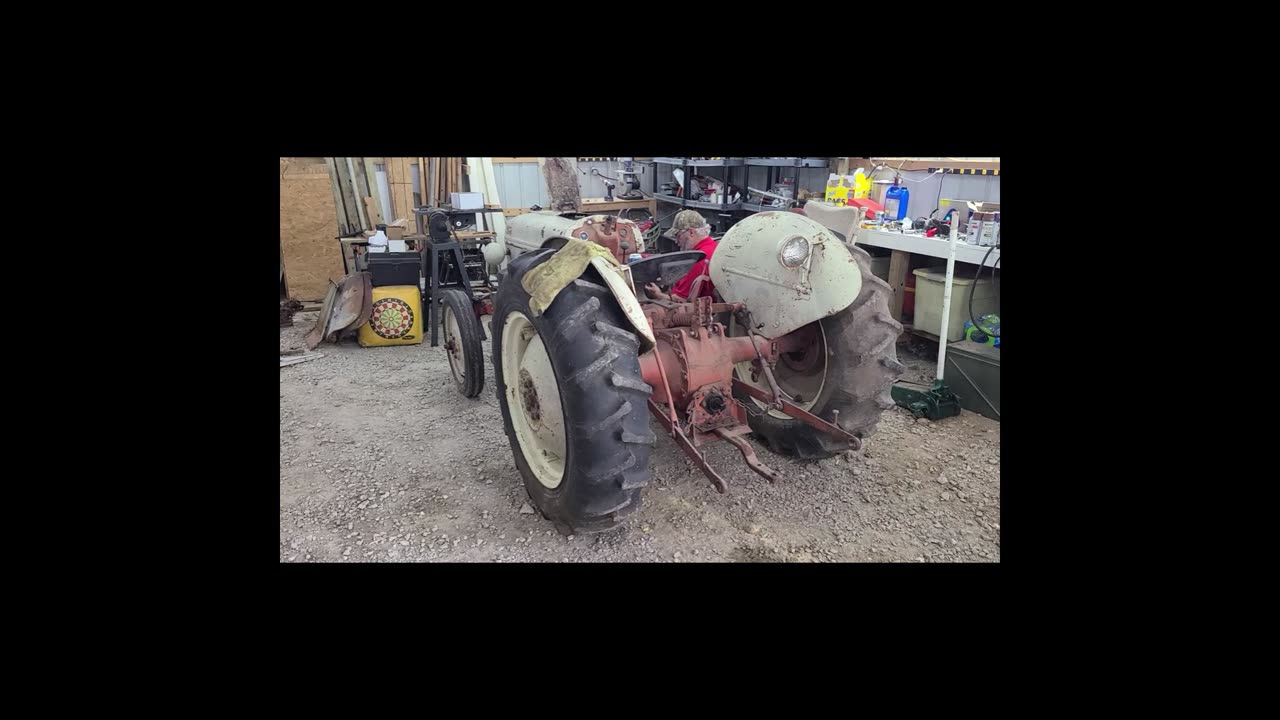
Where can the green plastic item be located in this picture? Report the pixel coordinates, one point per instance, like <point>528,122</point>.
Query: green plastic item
<point>935,402</point>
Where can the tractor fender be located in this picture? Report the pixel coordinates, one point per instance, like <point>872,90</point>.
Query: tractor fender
<point>747,267</point>
<point>567,264</point>
<point>618,280</point>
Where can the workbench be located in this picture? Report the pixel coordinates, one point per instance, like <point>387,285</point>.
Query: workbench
<point>905,244</point>
<point>600,205</point>
<point>932,246</point>
<point>349,245</point>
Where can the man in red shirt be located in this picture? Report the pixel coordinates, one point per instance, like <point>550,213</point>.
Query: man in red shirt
<point>691,232</point>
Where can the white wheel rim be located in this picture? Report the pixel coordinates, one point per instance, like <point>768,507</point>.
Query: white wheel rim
<point>813,384</point>
<point>453,346</point>
<point>533,399</point>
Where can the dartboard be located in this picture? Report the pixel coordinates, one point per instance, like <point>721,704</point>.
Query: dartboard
<point>391,318</point>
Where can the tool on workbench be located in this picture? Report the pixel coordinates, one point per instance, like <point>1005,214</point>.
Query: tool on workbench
<point>609,184</point>
<point>629,178</point>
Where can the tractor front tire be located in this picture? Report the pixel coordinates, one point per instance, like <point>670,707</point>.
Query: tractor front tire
<point>461,337</point>
<point>573,401</point>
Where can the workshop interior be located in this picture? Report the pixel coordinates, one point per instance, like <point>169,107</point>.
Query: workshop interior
<point>748,318</point>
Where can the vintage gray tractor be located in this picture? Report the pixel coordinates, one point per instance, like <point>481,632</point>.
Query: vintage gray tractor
<point>797,347</point>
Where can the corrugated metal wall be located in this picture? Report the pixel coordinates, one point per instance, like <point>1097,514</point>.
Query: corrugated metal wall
<point>520,185</point>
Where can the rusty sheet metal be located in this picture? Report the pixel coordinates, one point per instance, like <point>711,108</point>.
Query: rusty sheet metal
<point>529,231</point>
<point>347,306</point>
<point>319,332</point>
<point>620,237</point>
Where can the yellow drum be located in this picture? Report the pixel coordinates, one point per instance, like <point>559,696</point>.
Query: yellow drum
<point>396,318</point>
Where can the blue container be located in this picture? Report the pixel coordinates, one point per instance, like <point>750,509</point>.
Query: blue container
<point>895,202</point>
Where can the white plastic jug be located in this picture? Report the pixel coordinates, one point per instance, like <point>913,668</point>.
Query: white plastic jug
<point>378,243</point>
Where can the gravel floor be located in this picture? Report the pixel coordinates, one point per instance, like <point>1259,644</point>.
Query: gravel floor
<point>381,460</point>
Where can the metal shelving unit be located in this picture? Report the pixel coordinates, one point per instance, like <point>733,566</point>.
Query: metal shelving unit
<point>685,163</point>
<point>787,162</point>
<point>774,174</point>
<point>723,207</point>
<point>754,208</point>
<point>723,162</point>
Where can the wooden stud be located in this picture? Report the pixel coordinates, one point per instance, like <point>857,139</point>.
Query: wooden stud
<point>423,185</point>
<point>348,194</point>
<point>375,192</point>
<point>361,177</point>
<point>432,164</point>
<point>374,210</point>
<point>344,226</point>
<point>495,221</point>
<point>359,195</point>
<point>898,268</point>
<point>444,166</point>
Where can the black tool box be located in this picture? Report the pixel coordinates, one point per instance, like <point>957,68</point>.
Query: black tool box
<point>395,268</point>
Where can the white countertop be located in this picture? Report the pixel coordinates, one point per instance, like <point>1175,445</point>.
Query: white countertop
<point>918,243</point>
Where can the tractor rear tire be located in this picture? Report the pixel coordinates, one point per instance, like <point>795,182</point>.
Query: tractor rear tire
<point>460,329</point>
<point>861,367</point>
<point>573,401</point>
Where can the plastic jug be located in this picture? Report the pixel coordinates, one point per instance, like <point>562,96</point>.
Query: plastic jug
<point>895,202</point>
<point>378,243</point>
<point>861,184</point>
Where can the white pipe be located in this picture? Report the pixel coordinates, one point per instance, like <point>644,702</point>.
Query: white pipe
<point>384,190</point>
<point>946,296</point>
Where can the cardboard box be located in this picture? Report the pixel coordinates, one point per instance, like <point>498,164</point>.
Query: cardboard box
<point>398,229</point>
<point>466,200</point>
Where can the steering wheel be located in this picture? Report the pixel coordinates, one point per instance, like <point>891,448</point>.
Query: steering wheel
<point>663,270</point>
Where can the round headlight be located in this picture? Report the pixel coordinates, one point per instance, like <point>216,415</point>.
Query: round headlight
<point>794,252</point>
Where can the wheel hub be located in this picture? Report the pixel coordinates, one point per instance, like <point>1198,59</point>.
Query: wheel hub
<point>806,359</point>
<point>801,375</point>
<point>529,397</point>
